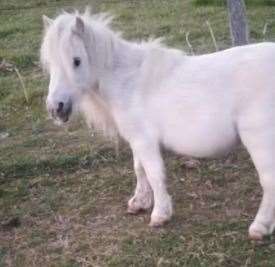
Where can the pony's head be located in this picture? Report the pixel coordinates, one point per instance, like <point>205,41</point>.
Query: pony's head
<point>75,49</point>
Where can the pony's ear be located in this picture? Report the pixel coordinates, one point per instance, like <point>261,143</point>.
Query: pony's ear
<point>79,26</point>
<point>47,22</point>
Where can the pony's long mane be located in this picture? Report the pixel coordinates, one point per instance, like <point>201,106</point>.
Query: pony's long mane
<point>93,106</point>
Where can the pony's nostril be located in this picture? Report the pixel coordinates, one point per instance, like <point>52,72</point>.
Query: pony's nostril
<point>60,107</point>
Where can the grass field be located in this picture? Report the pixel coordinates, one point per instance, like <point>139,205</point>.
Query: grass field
<point>63,191</point>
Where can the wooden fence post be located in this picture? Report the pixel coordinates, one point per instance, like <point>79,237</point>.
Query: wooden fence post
<point>238,22</point>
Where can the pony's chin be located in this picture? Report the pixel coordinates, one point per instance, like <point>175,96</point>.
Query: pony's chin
<point>61,121</point>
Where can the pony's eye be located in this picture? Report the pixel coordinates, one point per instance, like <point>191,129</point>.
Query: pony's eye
<point>77,61</point>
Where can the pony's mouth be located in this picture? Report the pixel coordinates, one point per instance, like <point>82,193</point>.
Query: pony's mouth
<point>64,117</point>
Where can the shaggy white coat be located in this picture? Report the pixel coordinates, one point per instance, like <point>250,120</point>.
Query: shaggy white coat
<point>153,96</point>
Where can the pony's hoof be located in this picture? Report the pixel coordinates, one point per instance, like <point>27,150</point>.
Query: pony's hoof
<point>159,221</point>
<point>136,206</point>
<point>134,210</point>
<point>257,231</point>
<point>256,236</point>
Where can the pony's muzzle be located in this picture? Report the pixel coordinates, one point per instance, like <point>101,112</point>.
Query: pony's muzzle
<point>61,110</point>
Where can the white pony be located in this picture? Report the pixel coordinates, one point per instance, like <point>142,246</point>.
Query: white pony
<point>153,96</point>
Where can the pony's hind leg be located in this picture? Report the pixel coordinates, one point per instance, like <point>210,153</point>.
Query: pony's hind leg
<point>143,197</point>
<point>260,143</point>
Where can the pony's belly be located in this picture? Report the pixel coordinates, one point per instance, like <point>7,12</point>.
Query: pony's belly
<point>209,143</point>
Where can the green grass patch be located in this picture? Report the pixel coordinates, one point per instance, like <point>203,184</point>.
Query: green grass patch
<point>28,167</point>
<point>216,244</point>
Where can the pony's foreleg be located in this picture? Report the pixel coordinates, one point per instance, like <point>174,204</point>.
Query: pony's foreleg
<point>143,197</point>
<point>149,156</point>
<point>260,144</point>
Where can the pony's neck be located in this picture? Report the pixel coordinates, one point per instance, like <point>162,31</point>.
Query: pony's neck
<point>105,99</point>
<point>127,58</point>
<point>127,55</point>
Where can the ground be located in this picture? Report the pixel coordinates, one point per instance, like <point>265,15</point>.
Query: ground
<point>63,191</point>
